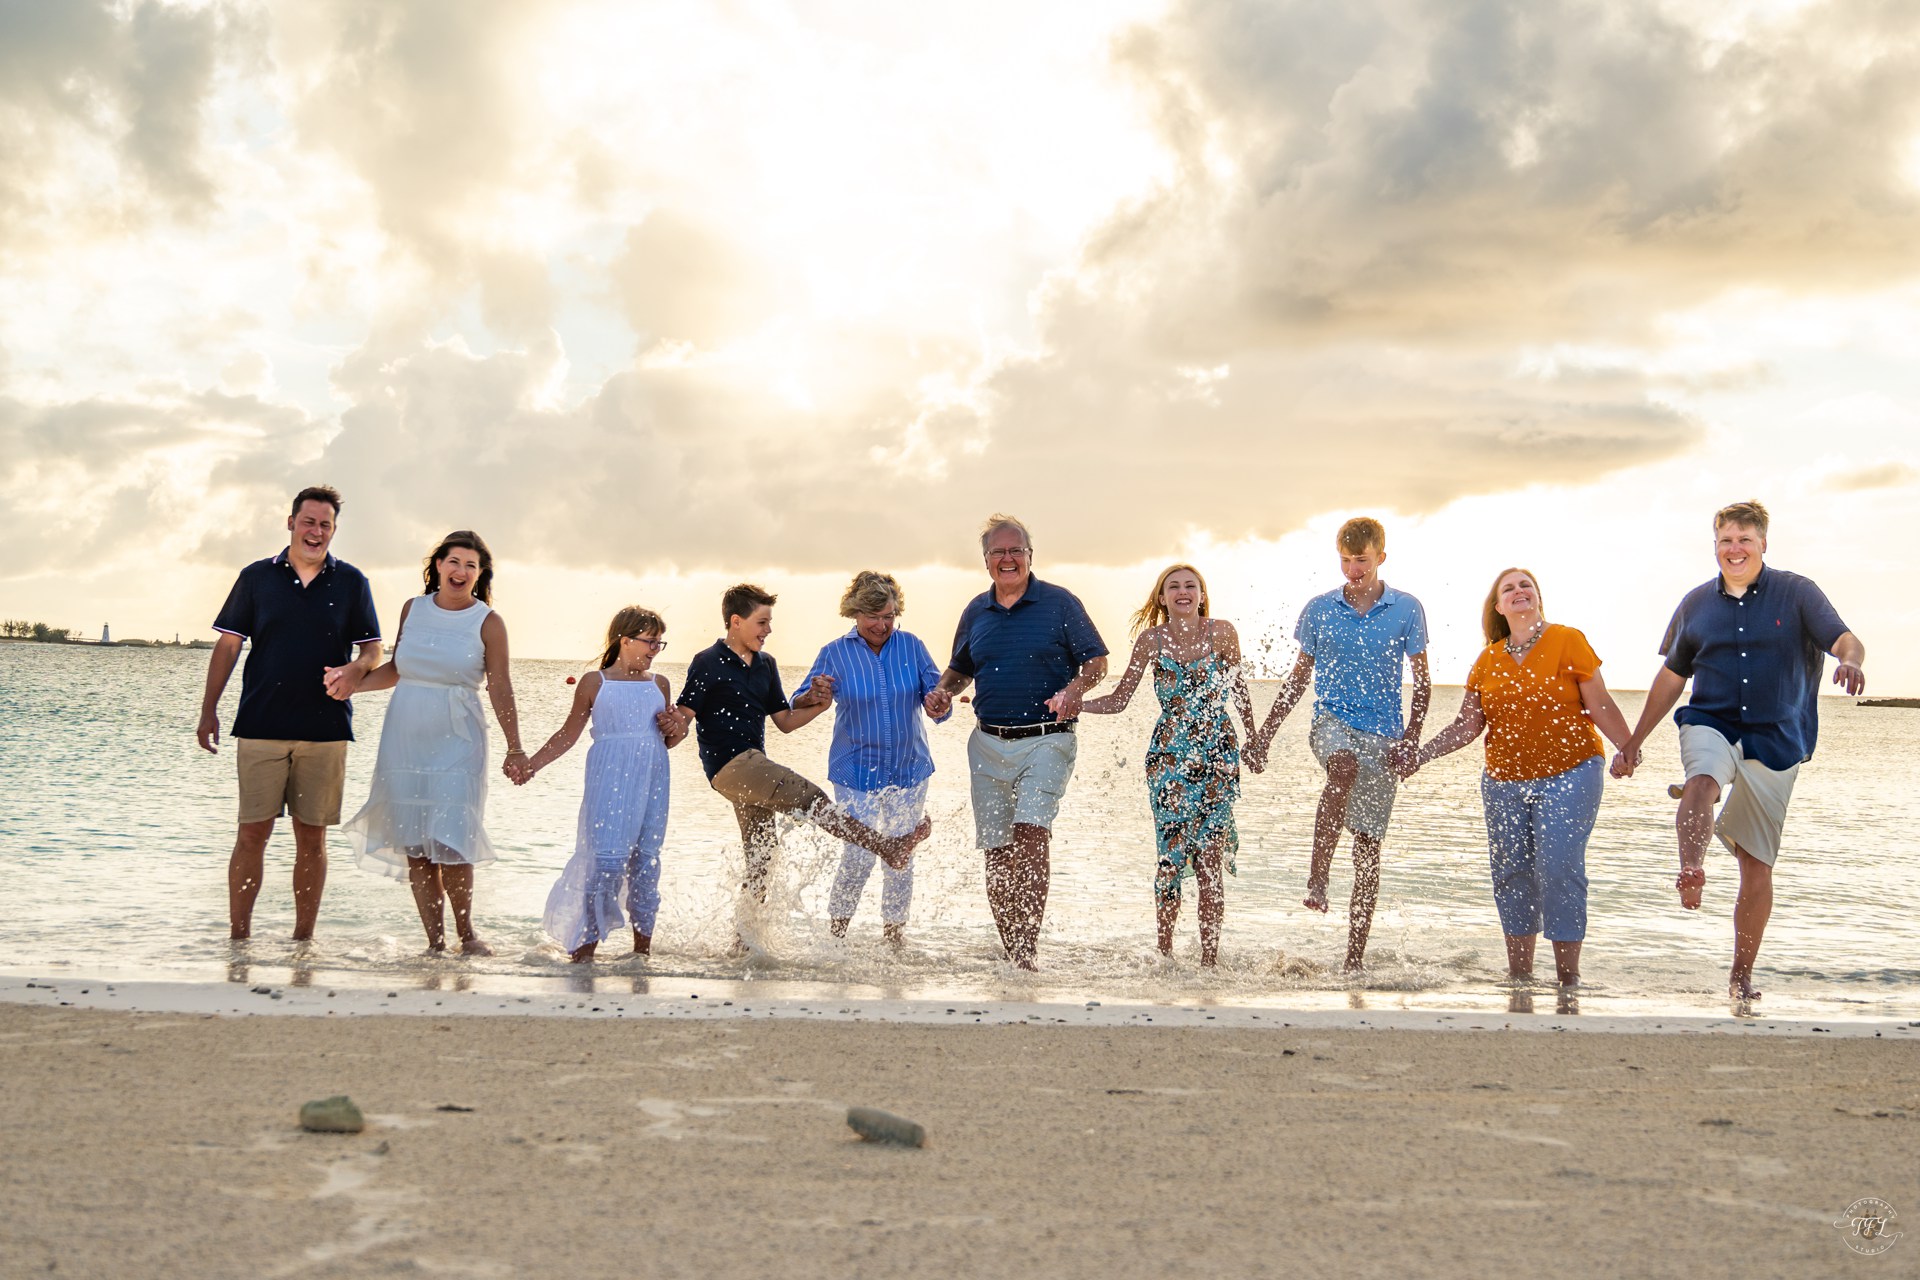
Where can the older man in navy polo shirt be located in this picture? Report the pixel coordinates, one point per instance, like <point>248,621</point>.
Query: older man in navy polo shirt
<point>1035,653</point>
<point>1754,641</point>
<point>315,637</point>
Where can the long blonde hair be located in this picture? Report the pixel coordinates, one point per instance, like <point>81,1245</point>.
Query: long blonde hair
<point>631,622</point>
<point>1154,611</point>
<point>1492,621</point>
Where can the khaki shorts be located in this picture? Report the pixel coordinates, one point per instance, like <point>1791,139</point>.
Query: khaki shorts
<point>1755,812</point>
<point>283,775</point>
<point>1020,781</point>
<point>752,781</point>
<point>1370,803</point>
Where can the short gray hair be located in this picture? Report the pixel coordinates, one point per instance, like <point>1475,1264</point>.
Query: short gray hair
<point>1000,520</point>
<point>870,592</point>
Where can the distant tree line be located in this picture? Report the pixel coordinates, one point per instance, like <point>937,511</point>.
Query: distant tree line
<point>14,629</point>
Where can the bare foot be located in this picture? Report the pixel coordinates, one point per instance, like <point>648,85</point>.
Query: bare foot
<point>642,943</point>
<point>1316,899</point>
<point>1740,987</point>
<point>1675,791</point>
<point>474,947</point>
<point>895,935</point>
<point>838,928</point>
<point>1691,882</point>
<point>583,955</point>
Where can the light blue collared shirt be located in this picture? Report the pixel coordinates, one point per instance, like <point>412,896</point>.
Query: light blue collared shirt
<point>878,738</point>
<point>1358,658</point>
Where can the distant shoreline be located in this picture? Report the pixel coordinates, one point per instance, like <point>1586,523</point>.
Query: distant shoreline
<point>111,644</point>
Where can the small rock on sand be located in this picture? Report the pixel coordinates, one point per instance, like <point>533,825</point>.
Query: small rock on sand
<point>332,1115</point>
<point>876,1125</point>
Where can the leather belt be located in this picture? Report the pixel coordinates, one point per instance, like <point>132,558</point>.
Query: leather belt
<point>1015,732</point>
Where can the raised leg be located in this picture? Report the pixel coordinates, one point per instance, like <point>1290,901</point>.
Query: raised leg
<point>1328,820</point>
<point>245,868</point>
<point>1693,824</point>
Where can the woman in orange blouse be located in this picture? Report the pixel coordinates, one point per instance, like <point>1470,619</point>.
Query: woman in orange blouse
<point>1536,690</point>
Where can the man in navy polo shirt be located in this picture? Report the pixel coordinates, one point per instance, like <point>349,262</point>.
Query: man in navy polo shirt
<point>1754,641</point>
<point>1035,653</point>
<point>315,637</point>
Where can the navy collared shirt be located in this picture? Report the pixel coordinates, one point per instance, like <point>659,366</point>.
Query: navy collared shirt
<point>1756,661</point>
<point>1020,656</point>
<point>731,700</point>
<point>297,632</point>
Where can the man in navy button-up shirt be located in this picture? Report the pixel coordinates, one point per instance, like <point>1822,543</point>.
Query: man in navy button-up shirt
<point>1035,653</point>
<point>304,611</point>
<point>1754,641</point>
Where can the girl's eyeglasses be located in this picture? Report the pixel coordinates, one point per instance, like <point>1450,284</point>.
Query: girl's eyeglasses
<point>654,643</point>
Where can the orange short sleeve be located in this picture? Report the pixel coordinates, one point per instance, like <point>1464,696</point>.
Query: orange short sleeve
<point>1577,657</point>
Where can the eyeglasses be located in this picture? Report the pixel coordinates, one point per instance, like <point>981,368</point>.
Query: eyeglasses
<point>654,643</point>
<point>1009,553</point>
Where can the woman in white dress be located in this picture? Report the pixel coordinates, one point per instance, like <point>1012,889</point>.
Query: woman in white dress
<point>613,877</point>
<point>423,818</point>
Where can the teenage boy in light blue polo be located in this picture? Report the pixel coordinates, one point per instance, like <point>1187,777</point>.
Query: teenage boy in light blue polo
<point>1355,642</point>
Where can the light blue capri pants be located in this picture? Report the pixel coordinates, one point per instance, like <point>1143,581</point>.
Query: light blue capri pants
<point>1537,847</point>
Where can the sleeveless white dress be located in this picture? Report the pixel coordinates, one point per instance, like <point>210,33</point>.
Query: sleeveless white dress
<point>623,821</point>
<point>430,778</point>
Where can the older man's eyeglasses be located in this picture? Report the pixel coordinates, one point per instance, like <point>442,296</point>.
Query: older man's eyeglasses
<point>1009,553</point>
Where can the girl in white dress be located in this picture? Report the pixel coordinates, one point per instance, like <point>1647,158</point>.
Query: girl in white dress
<point>422,820</point>
<point>623,816</point>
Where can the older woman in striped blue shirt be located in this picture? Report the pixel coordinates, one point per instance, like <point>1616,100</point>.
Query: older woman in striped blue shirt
<point>879,763</point>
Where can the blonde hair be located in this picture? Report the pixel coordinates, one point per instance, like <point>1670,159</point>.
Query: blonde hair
<point>1154,611</point>
<point>631,622</point>
<point>1492,622</point>
<point>1000,520</point>
<point>1749,513</point>
<point>870,592</point>
<point>1361,532</point>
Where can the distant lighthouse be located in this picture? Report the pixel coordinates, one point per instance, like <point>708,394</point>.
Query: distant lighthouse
<point>106,634</point>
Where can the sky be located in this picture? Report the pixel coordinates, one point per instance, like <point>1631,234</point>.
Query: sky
<point>663,297</point>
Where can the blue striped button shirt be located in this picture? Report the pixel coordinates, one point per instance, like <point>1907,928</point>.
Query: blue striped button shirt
<point>878,739</point>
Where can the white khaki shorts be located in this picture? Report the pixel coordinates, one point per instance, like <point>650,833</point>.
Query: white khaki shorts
<point>1755,812</point>
<point>1370,803</point>
<point>1017,782</point>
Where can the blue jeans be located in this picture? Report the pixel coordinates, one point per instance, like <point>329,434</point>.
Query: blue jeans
<point>1537,847</point>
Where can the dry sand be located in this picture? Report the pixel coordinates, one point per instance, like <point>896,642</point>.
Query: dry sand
<point>153,1144</point>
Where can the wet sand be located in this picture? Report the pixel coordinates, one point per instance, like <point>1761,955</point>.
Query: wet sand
<point>166,1144</point>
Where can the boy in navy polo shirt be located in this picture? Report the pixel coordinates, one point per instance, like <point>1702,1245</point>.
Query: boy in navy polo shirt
<point>732,689</point>
<point>315,637</point>
<point>1353,643</point>
<point>1754,642</point>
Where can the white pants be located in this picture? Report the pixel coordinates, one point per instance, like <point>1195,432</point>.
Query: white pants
<point>894,811</point>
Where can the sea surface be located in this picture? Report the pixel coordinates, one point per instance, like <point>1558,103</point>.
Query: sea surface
<point>115,830</point>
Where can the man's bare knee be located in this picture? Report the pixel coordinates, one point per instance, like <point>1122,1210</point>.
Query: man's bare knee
<point>1701,788</point>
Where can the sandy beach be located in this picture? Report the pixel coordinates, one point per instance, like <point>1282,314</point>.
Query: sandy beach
<point>652,1140</point>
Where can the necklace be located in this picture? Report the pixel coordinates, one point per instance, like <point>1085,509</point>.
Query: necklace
<point>1515,650</point>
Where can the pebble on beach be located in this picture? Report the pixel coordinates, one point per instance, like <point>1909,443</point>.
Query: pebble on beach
<point>876,1125</point>
<point>337,1114</point>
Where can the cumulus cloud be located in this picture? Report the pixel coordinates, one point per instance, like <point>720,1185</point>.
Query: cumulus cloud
<point>1879,475</point>
<point>1399,253</point>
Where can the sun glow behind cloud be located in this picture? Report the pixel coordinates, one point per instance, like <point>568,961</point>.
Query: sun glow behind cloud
<point>779,284</point>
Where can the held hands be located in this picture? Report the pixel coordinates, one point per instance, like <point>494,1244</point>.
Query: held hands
<point>517,767</point>
<point>1065,704</point>
<point>818,693</point>
<point>1254,754</point>
<point>1850,677</point>
<point>1626,760</point>
<point>673,722</point>
<point>937,702</point>
<point>342,681</point>
<point>1403,757</point>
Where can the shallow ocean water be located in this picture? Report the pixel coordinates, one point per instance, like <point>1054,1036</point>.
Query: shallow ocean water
<point>115,829</point>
